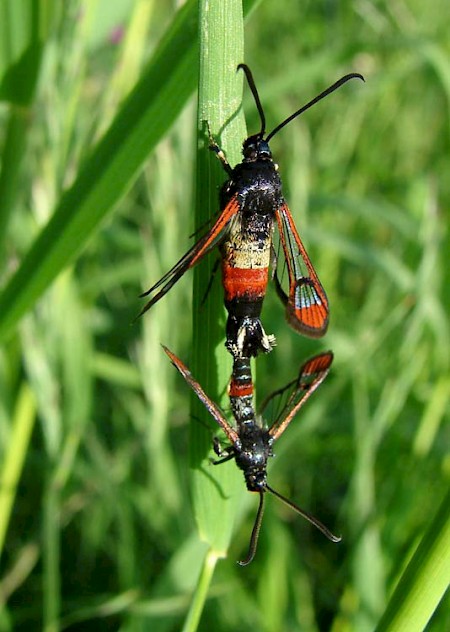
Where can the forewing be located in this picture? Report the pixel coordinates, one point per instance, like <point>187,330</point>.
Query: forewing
<point>212,408</point>
<point>193,255</point>
<point>306,304</point>
<point>311,375</point>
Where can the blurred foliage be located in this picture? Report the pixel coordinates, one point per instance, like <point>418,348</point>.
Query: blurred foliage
<point>100,534</point>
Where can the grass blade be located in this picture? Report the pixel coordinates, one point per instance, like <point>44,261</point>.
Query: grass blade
<point>15,455</point>
<point>24,29</point>
<point>221,49</point>
<point>425,580</point>
<point>111,169</point>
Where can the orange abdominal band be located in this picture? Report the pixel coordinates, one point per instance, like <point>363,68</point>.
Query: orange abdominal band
<point>244,282</point>
<point>240,390</point>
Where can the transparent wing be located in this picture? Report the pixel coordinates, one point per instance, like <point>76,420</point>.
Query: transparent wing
<point>212,408</point>
<point>193,255</point>
<point>297,392</point>
<point>306,304</point>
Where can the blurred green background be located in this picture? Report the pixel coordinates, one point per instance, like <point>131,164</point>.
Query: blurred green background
<point>96,528</point>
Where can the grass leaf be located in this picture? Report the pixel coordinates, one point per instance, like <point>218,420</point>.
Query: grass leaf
<point>111,168</point>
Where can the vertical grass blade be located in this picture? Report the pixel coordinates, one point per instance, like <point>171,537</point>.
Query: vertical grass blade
<point>24,29</point>
<point>220,91</point>
<point>14,456</point>
<point>425,580</point>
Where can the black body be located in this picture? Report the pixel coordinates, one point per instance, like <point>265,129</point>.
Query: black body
<point>255,185</point>
<point>250,440</point>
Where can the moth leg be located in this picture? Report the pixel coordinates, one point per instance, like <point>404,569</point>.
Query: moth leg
<point>213,146</point>
<point>225,454</point>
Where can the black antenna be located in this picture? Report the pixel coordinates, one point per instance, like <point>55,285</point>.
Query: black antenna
<point>255,533</point>
<point>252,86</point>
<point>319,97</point>
<point>259,516</point>
<point>305,514</point>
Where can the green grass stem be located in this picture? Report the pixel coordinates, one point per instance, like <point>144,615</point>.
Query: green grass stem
<point>200,593</point>
<point>219,99</point>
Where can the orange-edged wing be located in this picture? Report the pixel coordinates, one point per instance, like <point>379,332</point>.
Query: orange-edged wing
<point>211,407</point>
<point>311,375</point>
<point>307,304</point>
<point>193,255</point>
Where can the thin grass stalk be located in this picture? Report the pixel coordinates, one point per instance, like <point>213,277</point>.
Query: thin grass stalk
<point>200,593</point>
<point>51,589</point>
